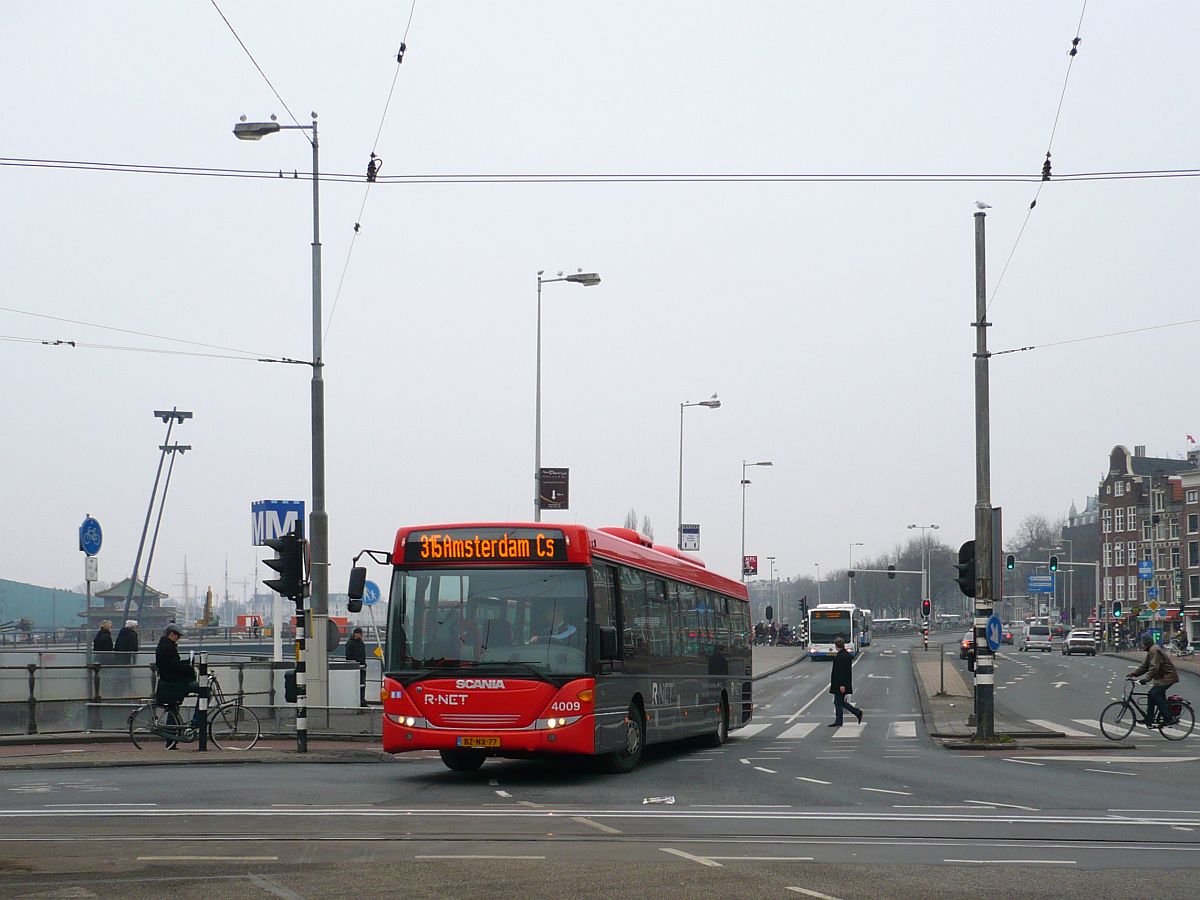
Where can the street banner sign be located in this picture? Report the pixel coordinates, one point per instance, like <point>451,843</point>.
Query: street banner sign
<point>554,488</point>
<point>1040,584</point>
<point>994,632</point>
<point>1145,570</point>
<point>749,565</point>
<point>91,536</point>
<point>689,537</point>
<point>272,519</point>
<point>371,593</point>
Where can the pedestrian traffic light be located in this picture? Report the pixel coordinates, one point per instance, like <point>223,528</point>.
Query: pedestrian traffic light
<point>925,608</point>
<point>966,568</point>
<point>891,571</point>
<point>1010,562</point>
<point>1053,563</point>
<point>289,563</point>
<point>850,574</point>
<point>1117,610</point>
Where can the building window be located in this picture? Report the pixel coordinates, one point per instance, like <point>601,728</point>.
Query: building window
<point>1133,587</point>
<point>1107,590</point>
<point>1194,584</point>
<point>1174,528</point>
<point>1120,588</point>
<point>1108,556</point>
<point>1158,501</point>
<point>1193,496</point>
<point>1193,554</point>
<point>1146,530</point>
<point>1133,518</point>
<point>1119,555</point>
<point>1193,523</point>
<point>1120,521</point>
<point>1146,553</point>
<point>1175,557</point>
<point>1132,547</point>
<point>1106,517</point>
<point>1119,489</point>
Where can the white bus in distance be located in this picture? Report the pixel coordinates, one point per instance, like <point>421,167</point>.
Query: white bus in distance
<point>833,620</point>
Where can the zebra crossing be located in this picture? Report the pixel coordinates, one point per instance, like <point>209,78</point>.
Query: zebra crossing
<point>902,730</point>
<point>1071,728</point>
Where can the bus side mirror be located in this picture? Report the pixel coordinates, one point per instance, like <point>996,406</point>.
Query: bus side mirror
<point>358,583</point>
<point>608,642</point>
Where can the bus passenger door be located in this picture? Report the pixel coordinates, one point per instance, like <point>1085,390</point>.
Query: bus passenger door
<point>612,692</point>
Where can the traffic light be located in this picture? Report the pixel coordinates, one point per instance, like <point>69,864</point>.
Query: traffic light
<point>966,568</point>
<point>1117,610</point>
<point>1010,562</point>
<point>925,608</point>
<point>850,574</point>
<point>1054,564</point>
<point>891,571</point>
<point>289,563</point>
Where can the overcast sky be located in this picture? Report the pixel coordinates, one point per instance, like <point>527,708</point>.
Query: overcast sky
<point>832,319</point>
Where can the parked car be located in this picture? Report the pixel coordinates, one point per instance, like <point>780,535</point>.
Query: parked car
<point>1079,641</point>
<point>1035,637</point>
<point>966,646</point>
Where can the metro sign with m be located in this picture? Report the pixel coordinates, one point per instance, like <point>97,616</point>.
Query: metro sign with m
<point>271,519</point>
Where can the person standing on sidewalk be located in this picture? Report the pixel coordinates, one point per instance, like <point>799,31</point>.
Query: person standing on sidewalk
<point>356,651</point>
<point>841,685</point>
<point>103,641</point>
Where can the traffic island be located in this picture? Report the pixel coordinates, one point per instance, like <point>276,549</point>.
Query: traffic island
<point>947,702</point>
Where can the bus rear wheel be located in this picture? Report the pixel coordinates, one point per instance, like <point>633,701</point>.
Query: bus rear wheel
<point>627,758</point>
<point>463,760</point>
<point>721,735</point>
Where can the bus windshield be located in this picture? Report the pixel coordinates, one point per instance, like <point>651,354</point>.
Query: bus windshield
<point>465,618</point>
<point>827,625</point>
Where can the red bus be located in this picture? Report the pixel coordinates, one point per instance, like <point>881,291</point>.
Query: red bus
<point>516,640</point>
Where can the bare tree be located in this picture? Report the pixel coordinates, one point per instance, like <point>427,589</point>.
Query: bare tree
<point>647,528</point>
<point>631,519</point>
<point>1034,536</point>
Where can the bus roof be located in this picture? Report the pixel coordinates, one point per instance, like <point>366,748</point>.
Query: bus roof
<point>583,546</point>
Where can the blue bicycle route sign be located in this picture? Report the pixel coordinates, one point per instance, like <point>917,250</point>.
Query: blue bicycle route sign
<point>91,536</point>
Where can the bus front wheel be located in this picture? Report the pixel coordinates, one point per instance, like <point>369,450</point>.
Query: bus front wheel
<point>463,760</point>
<point>627,758</point>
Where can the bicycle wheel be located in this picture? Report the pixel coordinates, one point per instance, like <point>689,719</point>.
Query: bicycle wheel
<point>1117,720</point>
<point>1187,721</point>
<point>233,727</point>
<point>143,726</point>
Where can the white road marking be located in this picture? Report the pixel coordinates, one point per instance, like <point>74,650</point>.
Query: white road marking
<point>1005,805</point>
<point>207,858</point>
<point>607,829</point>
<point>703,860</point>
<point>768,771</point>
<point>1128,760</point>
<point>748,731</point>
<point>1111,772</point>
<point>803,730</point>
<point>883,791</point>
<point>903,730</point>
<point>1024,762</point>
<point>1015,862</point>
<point>823,693</point>
<point>1065,729</point>
<point>473,856</point>
<point>503,794</point>
<point>765,858</point>
<point>812,780</point>
<point>807,893</point>
<point>847,732</point>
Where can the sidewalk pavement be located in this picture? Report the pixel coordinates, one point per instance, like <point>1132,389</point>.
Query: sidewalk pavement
<point>1183,664</point>
<point>947,699</point>
<point>769,660</point>
<point>59,754</point>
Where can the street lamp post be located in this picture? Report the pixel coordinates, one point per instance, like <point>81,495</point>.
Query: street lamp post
<point>818,565</point>
<point>925,559</point>
<point>317,668</point>
<point>587,279</point>
<point>712,403</point>
<point>850,587</point>
<point>746,465</point>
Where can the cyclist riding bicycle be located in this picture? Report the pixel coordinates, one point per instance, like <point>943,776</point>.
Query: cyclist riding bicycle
<point>1157,667</point>
<point>176,679</point>
<point>1181,642</point>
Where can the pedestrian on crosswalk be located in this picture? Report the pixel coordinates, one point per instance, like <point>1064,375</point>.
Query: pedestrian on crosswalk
<point>841,685</point>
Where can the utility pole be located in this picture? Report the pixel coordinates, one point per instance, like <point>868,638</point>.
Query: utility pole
<point>985,727</point>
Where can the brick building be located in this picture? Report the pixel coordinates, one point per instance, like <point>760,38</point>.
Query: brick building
<point>1141,501</point>
<point>1190,563</point>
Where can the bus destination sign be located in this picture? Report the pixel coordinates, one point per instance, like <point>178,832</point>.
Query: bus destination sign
<point>828,613</point>
<point>505,545</point>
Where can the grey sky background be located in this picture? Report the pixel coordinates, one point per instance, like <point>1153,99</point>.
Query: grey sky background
<point>831,318</point>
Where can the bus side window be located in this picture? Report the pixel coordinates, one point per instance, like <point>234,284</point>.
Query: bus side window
<point>633,616</point>
<point>686,630</point>
<point>602,591</point>
<point>658,618</point>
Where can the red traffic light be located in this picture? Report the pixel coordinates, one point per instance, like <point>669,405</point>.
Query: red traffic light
<point>925,608</point>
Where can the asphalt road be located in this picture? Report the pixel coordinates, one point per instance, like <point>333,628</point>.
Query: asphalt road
<point>788,806</point>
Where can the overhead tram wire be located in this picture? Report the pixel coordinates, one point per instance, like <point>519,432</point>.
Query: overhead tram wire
<point>1097,337</point>
<point>1046,167</point>
<point>82,345</point>
<point>605,178</point>
<point>373,166</point>
<point>242,43</point>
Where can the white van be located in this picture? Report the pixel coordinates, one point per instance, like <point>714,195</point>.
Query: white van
<point>1034,637</point>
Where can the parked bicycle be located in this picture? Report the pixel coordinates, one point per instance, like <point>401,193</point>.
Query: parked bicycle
<point>231,725</point>
<point>1119,718</point>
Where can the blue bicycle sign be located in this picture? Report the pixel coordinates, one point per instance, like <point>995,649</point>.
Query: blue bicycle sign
<point>91,536</point>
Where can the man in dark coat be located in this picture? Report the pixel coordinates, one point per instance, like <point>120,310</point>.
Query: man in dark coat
<point>127,638</point>
<point>176,678</point>
<point>356,651</point>
<point>103,641</point>
<point>840,684</point>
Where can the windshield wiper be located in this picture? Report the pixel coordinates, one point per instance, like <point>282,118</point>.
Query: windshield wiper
<point>496,664</point>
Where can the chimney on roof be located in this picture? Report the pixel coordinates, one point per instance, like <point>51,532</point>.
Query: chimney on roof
<point>1139,450</point>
